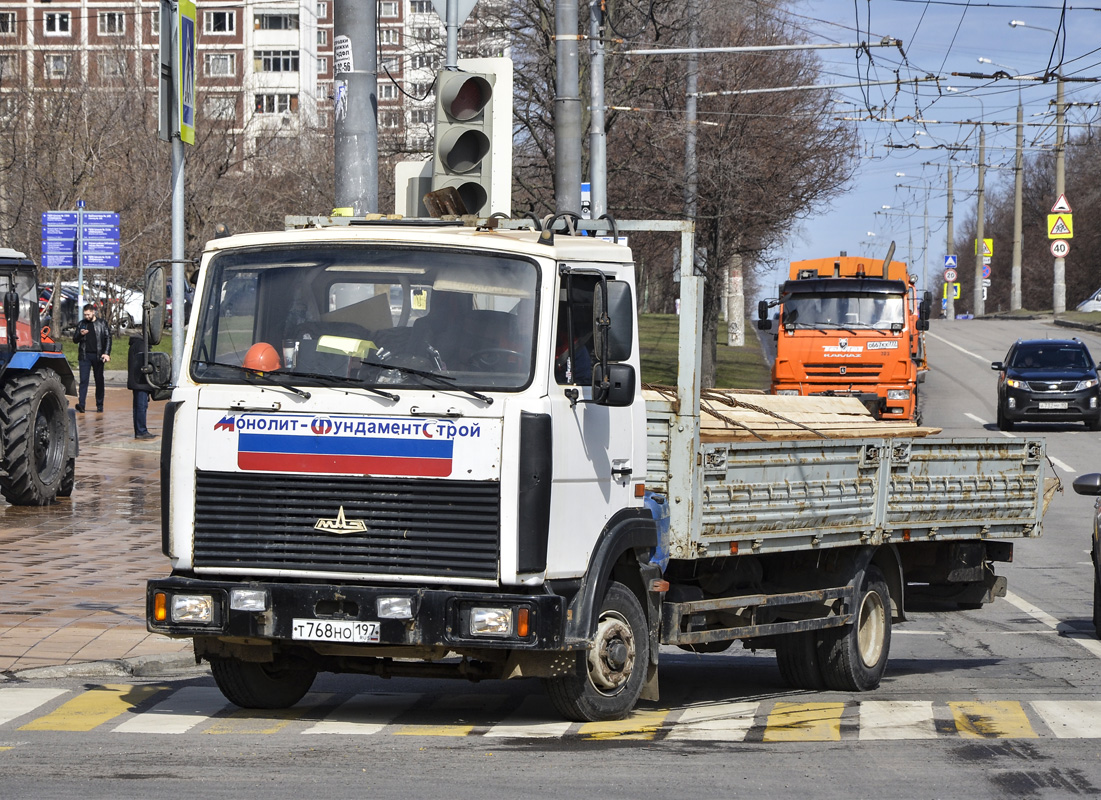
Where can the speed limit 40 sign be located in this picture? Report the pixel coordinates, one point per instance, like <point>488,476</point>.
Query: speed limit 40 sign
<point>1060,248</point>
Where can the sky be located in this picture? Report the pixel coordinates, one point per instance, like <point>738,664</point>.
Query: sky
<point>939,37</point>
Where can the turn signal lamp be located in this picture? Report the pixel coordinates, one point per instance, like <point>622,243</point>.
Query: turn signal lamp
<point>160,607</point>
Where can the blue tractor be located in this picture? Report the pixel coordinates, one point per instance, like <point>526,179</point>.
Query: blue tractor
<point>38,439</point>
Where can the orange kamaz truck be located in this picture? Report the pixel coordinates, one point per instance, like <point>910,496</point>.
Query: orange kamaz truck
<point>853,326</point>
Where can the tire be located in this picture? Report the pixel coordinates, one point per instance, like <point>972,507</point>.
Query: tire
<point>1096,603</point>
<point>853,658</point>
<point>68,481</point>
<point>1094,424</point>
<point>34,422</point>
<point>249,684</point>
<point>797,658</point>
<point>606,681</point>
<point>1003,423</point>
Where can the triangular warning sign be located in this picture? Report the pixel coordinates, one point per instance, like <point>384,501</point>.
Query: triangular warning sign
<point>1061,206</point>
<point>1060,228</point>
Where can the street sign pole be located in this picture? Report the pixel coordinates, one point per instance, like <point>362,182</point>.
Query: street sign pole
<point>79,258</point>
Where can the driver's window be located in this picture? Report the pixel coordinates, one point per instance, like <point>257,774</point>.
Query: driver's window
<point>573,352</point>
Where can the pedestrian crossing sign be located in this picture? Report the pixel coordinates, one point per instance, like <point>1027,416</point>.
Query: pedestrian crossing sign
<point>1060,226</point>
<point>987,247</point>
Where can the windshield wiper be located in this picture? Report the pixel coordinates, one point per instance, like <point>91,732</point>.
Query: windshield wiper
<point>441,380</point>
<point>337,380</point>
<point>265,377</point>
<point>816,326</point>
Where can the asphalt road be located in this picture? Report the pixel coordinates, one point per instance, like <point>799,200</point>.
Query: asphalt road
<point>1000,702</point>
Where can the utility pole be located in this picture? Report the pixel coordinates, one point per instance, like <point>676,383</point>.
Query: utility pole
<point>1018,180</point>
<point>567,109</point>
<point>355,124</point>
<point>598,144</point>
<point>950,308</point>
<point>979,305</point>
<point>1059,279</point>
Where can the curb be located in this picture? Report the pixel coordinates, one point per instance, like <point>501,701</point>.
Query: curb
<point>154,666</point>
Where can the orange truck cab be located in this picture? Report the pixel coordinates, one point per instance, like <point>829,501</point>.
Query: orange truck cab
<point>850,326</point>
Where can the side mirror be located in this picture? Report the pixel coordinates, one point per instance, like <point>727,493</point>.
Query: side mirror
<point>762,310</point>
<point>1088,484</point>
<point>613,384</point>
<point>11,306</point>
<point>613,322</point>
<point>996,366</point>
<point>764,324</point>
<point>153,305</point>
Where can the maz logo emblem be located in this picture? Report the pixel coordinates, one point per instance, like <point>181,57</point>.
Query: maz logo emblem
<point>341,524</point>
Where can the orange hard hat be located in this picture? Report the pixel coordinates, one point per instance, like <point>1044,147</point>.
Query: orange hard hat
<point>262,358</point>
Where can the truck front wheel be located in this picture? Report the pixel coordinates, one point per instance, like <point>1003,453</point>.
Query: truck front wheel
<point>853,658</point>
<point>278,684</point>
<point>35,426</point>
<point>605,683</point>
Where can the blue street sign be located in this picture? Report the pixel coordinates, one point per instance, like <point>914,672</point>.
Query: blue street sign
<point>949,261</point>
<point>96,246</point>
<point>68,234</point>
<point>97,232</point>
<point>59,218</point>
<point>100,260</point>
<point>100,218</point>
<point>58,246</point>
<point>58,260</point>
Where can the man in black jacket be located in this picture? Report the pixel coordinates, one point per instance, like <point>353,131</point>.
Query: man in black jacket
<point>94,338</point>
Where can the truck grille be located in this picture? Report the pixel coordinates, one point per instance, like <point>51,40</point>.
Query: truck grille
<point>409,526</point>
<point>861,370</point>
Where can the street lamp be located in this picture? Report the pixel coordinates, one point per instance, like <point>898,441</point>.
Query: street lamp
<point>1058,277</point>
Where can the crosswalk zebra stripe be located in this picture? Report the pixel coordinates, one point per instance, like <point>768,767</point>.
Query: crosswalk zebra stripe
<point>532,720</point>
<point>897,719</point>
<point>804,722</point>
<point>93,708</point>
<point>1071,720</point>
<point>992,719</point>
<point>364,714</point>
<point>178,713</point>
<point>729,722</point>
<point>19,700</point>
<point>266,721</point>
<point>642,724</point>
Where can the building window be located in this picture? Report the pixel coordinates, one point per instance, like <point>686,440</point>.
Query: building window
<point>276,22</point>
<point>112,65</point>
<point>275,60</point>
<point>9,65</point>
<point>420,90</point>
<point>322,37</point>
<point>57,23</point>
<point>421,6</point>
<point>387,91</point>
<point>9,104</point>
<point>220,108</point>
<point>322,10</point>
<point>425,33</point>
<point>424,62</point>
<point>111,23</point>
<point>57,65</point>
<point>155,21</point>
<point>7,23</point>
<point>219,22</point>
<point>421,116</point>
<point>220,65</point>
<point>389,36</point>
<point>325,90</point>
<point>276,103</point>
<point>322,64</point>
<point>389,119</point>
<point>388,8</point>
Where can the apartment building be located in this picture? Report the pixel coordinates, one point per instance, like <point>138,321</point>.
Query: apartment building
<point>263,67</point>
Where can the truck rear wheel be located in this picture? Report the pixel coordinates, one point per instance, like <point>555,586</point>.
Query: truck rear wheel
<point>797,658</point>
<point>279,684</point>
<point>605,683</point>
<point>853,658</point>
<point>35,426</point>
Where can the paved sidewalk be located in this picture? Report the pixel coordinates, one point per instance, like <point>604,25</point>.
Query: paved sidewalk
<point>72,575</point>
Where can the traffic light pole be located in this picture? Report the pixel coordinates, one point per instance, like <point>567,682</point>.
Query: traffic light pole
<point>950,306</point>
<point>355,125</point>
<point>979,302</point>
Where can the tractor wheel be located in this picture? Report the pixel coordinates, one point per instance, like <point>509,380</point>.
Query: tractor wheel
<point>35,425</point>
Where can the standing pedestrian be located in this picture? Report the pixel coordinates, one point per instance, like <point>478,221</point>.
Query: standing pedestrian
<point>134,362</point>
<point>94,338</point>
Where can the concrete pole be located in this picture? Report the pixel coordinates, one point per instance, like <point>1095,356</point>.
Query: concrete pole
<point>598,151</point>
<point>691,161</point>
<point>567,109</point>
<point>1018,236</point>
<point>1059,282</point>
<point>735,304</point>
<point>355,126</point>
<point>178,254</point>
<point>979,307</point>
<point>950,309</point>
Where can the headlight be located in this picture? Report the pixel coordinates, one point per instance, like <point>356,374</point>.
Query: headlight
<point>193,608</point>
<point>490,621</point>
<point>394,607</point>
<point>1015,384</point>
<point>1086,384</point>
<point>898,394</point>
<point>248,600</point>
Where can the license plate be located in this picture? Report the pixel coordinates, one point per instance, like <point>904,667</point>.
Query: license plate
<point>1051,405</point>
<point>329,630</point>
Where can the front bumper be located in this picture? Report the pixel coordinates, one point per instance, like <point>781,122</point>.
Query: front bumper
<point>1024,405</point>
<point>439,617</point>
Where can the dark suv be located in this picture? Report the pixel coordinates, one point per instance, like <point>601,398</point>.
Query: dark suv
<point>1048,380</point>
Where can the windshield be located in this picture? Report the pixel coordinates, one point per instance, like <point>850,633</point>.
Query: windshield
<point>824,310</point>
<point>1050,356</point>
<point>368,315</point>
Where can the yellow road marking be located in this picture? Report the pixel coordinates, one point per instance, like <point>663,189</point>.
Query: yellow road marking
<point>640,725</point>
<point>996,719</point>
<point>92,708</point>
<point>264,720</point>
<point>457,706</point>
<point>804,722</point>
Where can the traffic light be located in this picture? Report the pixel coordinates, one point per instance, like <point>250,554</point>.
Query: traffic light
<point>473,148</point>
